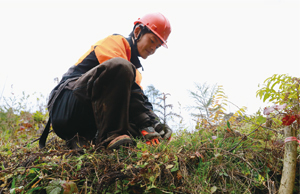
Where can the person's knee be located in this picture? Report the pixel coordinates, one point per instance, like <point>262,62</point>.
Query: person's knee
<point>123,66</point>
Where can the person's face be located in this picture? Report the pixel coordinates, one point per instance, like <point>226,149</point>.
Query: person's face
<point>147,44</point>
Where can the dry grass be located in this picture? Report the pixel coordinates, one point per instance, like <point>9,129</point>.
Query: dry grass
<point>190,163</point>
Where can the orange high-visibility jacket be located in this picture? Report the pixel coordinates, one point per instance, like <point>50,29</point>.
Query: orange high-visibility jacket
<point>105,49</point>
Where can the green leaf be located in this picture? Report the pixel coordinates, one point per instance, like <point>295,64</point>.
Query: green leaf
<point>152,179</point>
<point>13,184</point>
<point>274,84</point>
<point>78,166</point>
<point>34,189</point>
<point>267,95</point>
<point>166,158</point>
<point>175,168</point>
<point>261,119</point>
<point>144,165</point>
<point>139,155</point>
<point>228,124</point>
<point>54,190</point>
<point>54,187</point>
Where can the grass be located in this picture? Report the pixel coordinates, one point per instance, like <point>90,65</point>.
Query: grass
<point>241,158</point>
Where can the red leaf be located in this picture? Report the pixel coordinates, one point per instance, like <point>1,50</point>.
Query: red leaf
<point>288,120</point>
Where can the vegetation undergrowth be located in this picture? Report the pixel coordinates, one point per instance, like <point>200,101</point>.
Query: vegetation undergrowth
<point>238,154</point>
<point>192,162</point>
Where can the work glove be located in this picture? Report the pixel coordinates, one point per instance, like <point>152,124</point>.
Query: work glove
<point>164,130</point>
<point>151,136</point>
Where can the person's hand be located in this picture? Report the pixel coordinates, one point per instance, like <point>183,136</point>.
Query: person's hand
<point>164,130</point>
<point>151,136</point>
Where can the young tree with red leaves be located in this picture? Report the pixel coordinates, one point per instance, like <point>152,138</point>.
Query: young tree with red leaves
<point>287,100</point>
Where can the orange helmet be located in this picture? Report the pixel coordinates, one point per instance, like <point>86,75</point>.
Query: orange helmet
<point>158,24</point>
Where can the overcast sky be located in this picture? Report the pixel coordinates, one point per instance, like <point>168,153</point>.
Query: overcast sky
<point>237,44</point>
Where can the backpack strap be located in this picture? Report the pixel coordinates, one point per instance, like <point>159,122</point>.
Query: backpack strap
<point>43,138</point>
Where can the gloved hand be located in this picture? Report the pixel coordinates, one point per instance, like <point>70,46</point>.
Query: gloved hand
<point>164,130</point>
<point>150,135</point>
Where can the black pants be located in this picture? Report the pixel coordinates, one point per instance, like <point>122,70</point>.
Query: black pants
<point>70,116</point>
<point>99,103</point>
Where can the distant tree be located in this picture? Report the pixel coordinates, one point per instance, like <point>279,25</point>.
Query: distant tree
<point>210,102</point>
<point>162,108</point>
<point>158,100</point>
<point>153,94</point>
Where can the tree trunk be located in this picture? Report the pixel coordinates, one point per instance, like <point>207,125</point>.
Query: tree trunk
<point>289,163</point>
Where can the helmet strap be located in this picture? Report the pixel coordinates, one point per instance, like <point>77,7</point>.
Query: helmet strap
<point>142,27</point>
<point>136,39</point>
